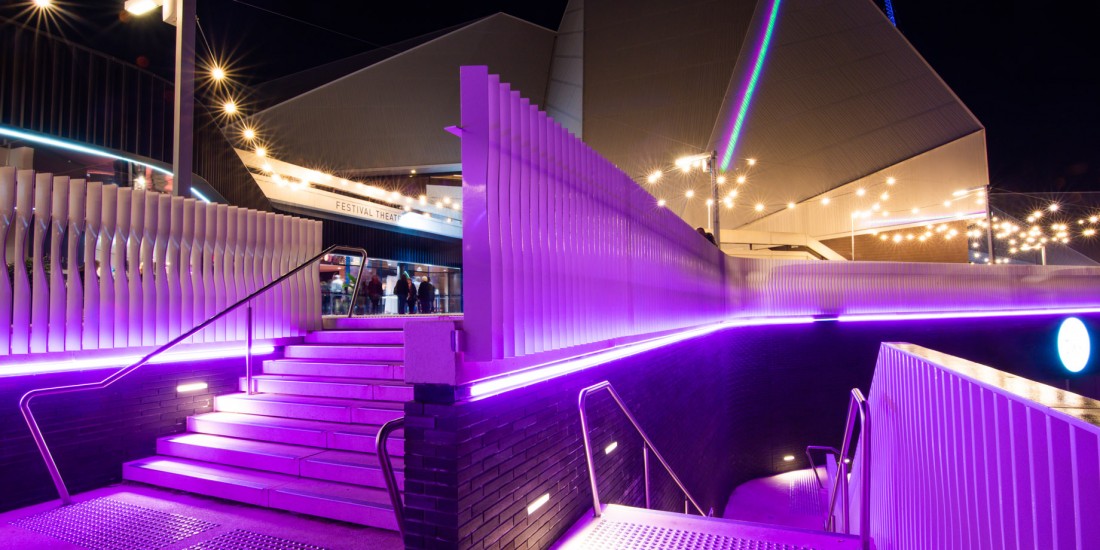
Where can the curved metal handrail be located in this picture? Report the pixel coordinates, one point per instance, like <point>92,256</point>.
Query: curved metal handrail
<point>857,405</point>
<point>605,385</point>
<point>381,439</point>
<point>25,401</point>
<point>813,466</point>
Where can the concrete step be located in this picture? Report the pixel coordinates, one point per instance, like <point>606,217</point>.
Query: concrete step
<point>338,369</point>
<point>307,462</point>
<point>363,353</point>
<point>245,453</point>
<point>380,322</point>
<point>311,408</point>
<point>368,337</point>
<point>355,468</point>
<point>311,433</point>
<point>350,503</point>
<point>316,386</point>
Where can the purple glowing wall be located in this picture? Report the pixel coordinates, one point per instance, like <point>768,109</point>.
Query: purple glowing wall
<point>967,456</point>
<point>561,248</point>
<point>140,268</point>
<point>566,254</point>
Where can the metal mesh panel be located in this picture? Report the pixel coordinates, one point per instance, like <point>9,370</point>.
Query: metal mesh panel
<point>806,497</point>
<point>106,523</point>
<point>241,539</point>
<point>634,536</point>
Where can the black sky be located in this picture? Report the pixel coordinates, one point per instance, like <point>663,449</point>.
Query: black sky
<point>1028,70</point>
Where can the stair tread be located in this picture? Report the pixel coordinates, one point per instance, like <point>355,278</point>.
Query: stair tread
<point>301,361</point>
<point>251,446</point>
<point>337,491</point>
<point>354,459</point>
<point>356,494</point>
<point>292,423</point>
<point>254,479</point>
<point>331,380</point>
<point>359,330</point>
<point>347,346</point>
<point>381,321</point>
<point>322,401</point>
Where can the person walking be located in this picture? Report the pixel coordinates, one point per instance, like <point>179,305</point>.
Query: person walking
<point>412,296</point>
<point>426,293</point>
<point>401,290</point>
<point>374,292</point>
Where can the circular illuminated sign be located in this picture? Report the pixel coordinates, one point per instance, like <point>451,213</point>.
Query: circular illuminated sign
<point>1073,344</point>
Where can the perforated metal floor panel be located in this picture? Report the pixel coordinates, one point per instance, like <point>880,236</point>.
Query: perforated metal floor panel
<point>241,539</point>
<point>632,536</point>
<point>108,524</point>
<point>628,528</point>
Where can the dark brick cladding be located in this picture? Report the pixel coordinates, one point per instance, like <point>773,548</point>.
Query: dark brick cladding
<point>723,409</point>
<point>92,433</point>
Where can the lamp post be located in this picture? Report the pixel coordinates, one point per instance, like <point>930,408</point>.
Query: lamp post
<point>180,13</point>
<point>989,226</point>
<point>709,163</point>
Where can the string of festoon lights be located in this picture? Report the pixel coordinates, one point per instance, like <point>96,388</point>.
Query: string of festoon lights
<point>1017,238</point>
<point>742,175</point>
<point>234,119</point>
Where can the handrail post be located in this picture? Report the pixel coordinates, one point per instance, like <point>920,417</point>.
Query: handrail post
<point>857,409</point>
<point>381,440</point>
<point>355,289</point>
<point>596,511</point>
<point>51,464</point>
<point>645,467</point>
<point>865,476</point>
<point>844,502</point>
<point>248,350</point>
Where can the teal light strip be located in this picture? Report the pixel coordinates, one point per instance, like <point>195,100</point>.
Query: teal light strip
<point>81,148</point>
<point>73,146</point>
<point>746,96</point>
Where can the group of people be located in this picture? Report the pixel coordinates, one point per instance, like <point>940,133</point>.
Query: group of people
<point>411,297</point>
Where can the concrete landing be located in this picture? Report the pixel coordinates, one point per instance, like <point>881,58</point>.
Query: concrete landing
<point>624,527</point>
<point>222,524</point>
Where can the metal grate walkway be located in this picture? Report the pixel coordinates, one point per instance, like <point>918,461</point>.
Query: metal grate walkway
<point>626,528</point>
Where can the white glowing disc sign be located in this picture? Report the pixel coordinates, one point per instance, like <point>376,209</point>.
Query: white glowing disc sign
<point>1073,344</point>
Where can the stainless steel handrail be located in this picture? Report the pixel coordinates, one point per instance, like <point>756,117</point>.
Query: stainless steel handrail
<point>813,466</point>
<point>857,405</point>
<point>381,439</point>
<point>648,446</point>
<point>25,401</point>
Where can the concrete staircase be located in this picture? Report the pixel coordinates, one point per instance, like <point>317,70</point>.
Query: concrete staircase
<point>304,441</point>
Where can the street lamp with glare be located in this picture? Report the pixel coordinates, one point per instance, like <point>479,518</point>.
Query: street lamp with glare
<point>708,162</point>
<point>180,13</point>
<point>142,7</point>
<point>43,4</point>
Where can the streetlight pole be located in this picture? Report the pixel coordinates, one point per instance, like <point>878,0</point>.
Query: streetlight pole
<point>989,225</point>
<point>180,13</point>
<point>183,115</point>
<point>715,224</point>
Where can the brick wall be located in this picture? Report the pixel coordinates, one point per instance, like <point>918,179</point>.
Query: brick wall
<point>92,433</point>
<point>723,409</point>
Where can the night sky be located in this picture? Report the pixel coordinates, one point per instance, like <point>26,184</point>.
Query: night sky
<point>1028,70</point>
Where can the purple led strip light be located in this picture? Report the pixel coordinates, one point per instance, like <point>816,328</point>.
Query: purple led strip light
<point>119,360</point>
<point>541,373</point>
